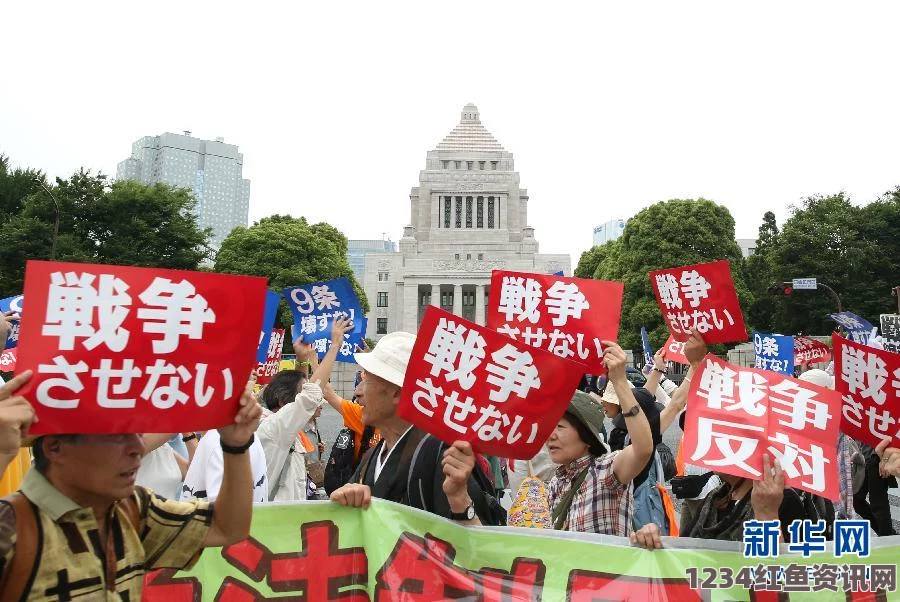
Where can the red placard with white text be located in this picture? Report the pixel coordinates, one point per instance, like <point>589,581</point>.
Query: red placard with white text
<point>124,349</point>
<point>8,359</point>
<point>700,297</point>
<point>568,317</point>
<point>265,371</point>
<point>868,381</point>
<point>467,382</point>
<point>675,351</point>
<point>810,351</point>
<point>737,414</point>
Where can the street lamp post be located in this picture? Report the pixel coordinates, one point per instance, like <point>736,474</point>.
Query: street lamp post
<point>56,222</point>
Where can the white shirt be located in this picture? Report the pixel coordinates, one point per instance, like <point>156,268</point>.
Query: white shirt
<point>160,472</point>
<point>204,477</point>
<point>277,432</point>
<point>379,463</point>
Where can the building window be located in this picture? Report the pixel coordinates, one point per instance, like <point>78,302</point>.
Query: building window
<point>480,256</point>
<point>458,164</point>
<point>381,326</point>
<point>445,164</point>
<point>494,165</point>
<point>468,256</point>
<point>468,212</point>
<point>456,256</point>
<point>382,300</point>
<point>446,299</point>
<point>481,165</point>
<point>469,165</point>
<point>490,212</point>
<point>459,212</point>
<point>446,212</point>
<point>480,216</point>
<point>383,276</point>
<point>426,299</point>
<point>468,299</point>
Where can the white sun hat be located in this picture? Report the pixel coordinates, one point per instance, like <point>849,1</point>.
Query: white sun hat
<point>390,357</point>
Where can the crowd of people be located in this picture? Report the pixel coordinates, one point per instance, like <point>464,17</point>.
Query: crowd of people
<point>103,509</point>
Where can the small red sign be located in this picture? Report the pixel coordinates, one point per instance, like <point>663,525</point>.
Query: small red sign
<point>700,297</point>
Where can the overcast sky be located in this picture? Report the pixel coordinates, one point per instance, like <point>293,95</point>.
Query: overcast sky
<point>607,107</point>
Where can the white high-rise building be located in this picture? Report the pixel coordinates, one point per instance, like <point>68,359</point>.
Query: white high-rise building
<point>469,215</point>
<point>611,230</point>
<point>211,169</point>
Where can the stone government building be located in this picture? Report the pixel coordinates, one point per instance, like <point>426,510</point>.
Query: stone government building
<point>469,216</point>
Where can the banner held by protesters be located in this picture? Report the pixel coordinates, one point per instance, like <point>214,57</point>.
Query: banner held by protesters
<point>467,382</point>
<point>13,305</point>
<point>268,324</point>
<point>808,350</point>
<point>736,414</point>
<point>125,349</point>
<point>568,317</point>
<point>700,297</point>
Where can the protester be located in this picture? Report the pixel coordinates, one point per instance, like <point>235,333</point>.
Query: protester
<point>80,502</point>
<point>592,489</point>
<point>877,508</point>
<point>162,470</point>
<point>292,403</point>
<point>440,479</point>
<point>648,501</point>
<point>354,440</point>
<point>721,513</point>
<point>16,417</point>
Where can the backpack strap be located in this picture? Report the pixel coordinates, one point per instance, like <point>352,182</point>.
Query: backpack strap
<point>561,513</point>
<point>19,574</point>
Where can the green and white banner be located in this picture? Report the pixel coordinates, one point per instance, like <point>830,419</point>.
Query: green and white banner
<point>318,552</point>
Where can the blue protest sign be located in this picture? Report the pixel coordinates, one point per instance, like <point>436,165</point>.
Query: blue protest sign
<point>315,307</point>
<point>559,273</point>
<point>774,352</point>
<point>648,351</point>
<point>12,304</point>
<point>265,335</point>
<point>858,329</point>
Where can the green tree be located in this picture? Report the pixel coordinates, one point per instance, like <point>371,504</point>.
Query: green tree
<point>587,263</point>
<point>289,252</point>
<point>759,273</point>
<point>15,185</point>
<point>852,249</point>
<point>667,234</point>
<point>126,223</point>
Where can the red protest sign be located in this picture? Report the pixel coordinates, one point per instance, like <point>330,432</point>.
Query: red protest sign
<point>810,351</point>
<point>467,382</point>
<point>675,351</point>
<point>568,317</point>
<point>265,371</point>
<point>8,360</point>
<point>700,297</point>
<point>868,380</point>
<point>736,414</point>
<point>124,349</point>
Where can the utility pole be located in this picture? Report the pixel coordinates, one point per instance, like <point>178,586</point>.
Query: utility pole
<point>40,183</point>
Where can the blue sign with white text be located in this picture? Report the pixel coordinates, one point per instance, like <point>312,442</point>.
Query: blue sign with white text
<point>13,304</point>
<point>774,352</point>
<point>265,335</point>
<point>858,328</point>
<point>648,351</point>
<point>315,307</point>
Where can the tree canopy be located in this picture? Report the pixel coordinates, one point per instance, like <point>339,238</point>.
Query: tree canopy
<point>123,223</point>
<point>289,252</point>
<point>667,234</point>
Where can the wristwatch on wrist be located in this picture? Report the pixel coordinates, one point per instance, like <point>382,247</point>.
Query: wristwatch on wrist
<point>467,514</point>
<point>634,411</point>
<point>190,437</point>
<point>237,449</point>
<point>660,370</point>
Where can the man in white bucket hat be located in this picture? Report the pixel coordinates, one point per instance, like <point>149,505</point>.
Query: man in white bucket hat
<point>407,466</point>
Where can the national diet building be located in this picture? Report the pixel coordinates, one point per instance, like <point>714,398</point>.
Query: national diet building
<point>468,216</point>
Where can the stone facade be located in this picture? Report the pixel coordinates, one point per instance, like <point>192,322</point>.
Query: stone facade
<point>469,215</point>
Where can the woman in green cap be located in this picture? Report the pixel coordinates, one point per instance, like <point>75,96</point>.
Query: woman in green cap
<point>592,490</point>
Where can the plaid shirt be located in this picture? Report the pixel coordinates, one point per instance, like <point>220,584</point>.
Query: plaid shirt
<point>602,504</point>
